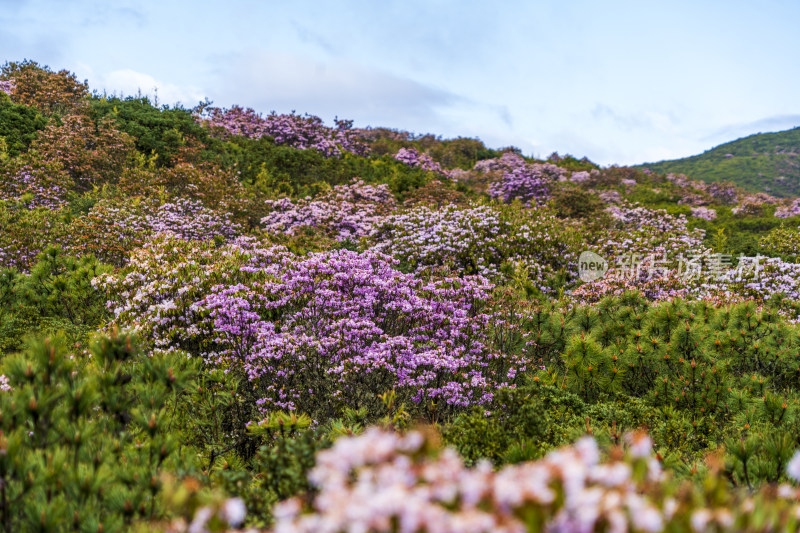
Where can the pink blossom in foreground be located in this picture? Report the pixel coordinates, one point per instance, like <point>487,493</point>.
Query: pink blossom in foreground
<point>383,481</point>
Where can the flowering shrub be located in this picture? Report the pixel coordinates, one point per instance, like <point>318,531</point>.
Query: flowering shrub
<point>32,186</point>
<point>773,277</point>
<point>786,210</point>
<point>348,211</point>
<point>386,482</point>
<point>190,220</point>
<point>642,231</point>
<point>758,278</point>
<point>725,193</point>
<point>697,192</point>
<point>610,197</point>
<point>26,232</point>
<point>479,240</point>
<point>111,229</point>
<point>506,162</point>
<point>312,333</point>
<point>706,213</point>
<point>33,85</point>
<point>649,251</point>
<point>666,285</point>
<point>291,130</point>
<point>413,158</point>
<point>529,184</point>
<point>583,177</point>
<point>7,86</point>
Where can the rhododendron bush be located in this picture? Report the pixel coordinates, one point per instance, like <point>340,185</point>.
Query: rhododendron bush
<point>26,233</point>
<point>386,482</point>
<point>313,332</point>
<point>527,183</point>
<point>481,240</point>
<point>413,158</point>
<point>348,211</point>
<point>296,131</point>
<point>35,185</point>
<point>124,227</point>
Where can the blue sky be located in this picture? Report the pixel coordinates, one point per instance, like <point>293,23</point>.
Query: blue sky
<point>617,81</point>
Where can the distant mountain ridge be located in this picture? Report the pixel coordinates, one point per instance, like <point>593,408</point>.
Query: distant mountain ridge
<point>768,162</point>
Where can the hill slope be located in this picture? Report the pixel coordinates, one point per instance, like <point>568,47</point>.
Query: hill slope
<point>768,162</point>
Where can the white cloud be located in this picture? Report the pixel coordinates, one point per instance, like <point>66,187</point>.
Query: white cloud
<point>283,82</point>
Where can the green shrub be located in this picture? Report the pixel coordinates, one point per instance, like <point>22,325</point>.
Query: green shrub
<point>18,125</point>
<point>57,296</point>
<point>84,440</point>
<point>161,131</point>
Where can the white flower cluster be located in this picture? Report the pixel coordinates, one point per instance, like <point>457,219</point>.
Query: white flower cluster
<point>349,211</point>
<point>383,481</point>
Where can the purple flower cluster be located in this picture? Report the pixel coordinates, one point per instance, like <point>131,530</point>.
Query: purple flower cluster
<point>644,249</point>
<point>582,177</point>
<point>166,276</point>
<point>654,253</point>
<point>753,204</point>
<point>366,324</point>
<point>24,233</point>
<point>413,158</point>
<point>35,187</point>
<point>773,277</point>
<point>349,211</point>
<point>630,217</point>
<point>18,255</point>
<point>719,193</point>
<point>330,327</point>
<point>304,133</point>
<point>508,161</point>
<point>788,210</point>
<point>724,193</point>
<point>190,220</point>
<point>528,183</point>
<point>7,86</point>
<point>610,196</point>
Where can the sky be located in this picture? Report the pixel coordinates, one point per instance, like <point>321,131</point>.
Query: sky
<point>619,82</point>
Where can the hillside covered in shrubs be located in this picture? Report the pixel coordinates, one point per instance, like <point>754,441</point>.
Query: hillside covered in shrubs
<point>765,162</point>
<point>218,320</point>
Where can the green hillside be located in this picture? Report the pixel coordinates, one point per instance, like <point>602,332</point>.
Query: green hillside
<point>766,162</point>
